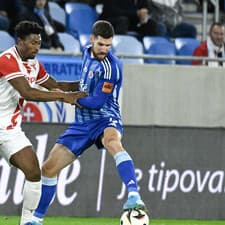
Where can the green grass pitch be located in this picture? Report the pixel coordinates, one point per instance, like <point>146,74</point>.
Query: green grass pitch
<point>13,220</point>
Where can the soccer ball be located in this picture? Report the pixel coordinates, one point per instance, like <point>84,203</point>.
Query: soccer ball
<point>134,217</point>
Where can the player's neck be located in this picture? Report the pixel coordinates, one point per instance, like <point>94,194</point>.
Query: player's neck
<point>21,54</point>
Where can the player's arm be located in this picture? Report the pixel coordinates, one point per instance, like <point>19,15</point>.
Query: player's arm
<point>52,84</point>
<point>33,94</point>
<point>102,91</point>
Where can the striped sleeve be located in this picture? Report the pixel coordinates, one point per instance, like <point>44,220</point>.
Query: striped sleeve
<point>107,67</point>
<point>42,74</point>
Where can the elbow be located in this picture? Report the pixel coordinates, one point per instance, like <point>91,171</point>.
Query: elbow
<point>94,107</point>
<point>28,95</point>
<point>29,98</point>
<point>91,103</point>
<point>99,106</point>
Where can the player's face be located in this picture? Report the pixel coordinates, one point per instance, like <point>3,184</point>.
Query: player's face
<point>100,46</point>
<point>40,4</point>
<point>217,35</point>
<point>30,46</point>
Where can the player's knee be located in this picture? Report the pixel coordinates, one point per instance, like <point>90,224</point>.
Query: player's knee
<point>48,171</point>
<point>109,143</point>
<point>33,174</point>
<point>112,144</point>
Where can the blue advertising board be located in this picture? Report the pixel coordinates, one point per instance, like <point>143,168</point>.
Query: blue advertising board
<point>62,67</point>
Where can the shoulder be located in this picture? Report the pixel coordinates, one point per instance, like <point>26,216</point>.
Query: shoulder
<point>9,66</point>
<point>201,49</point>
<point>203,44</point>
<point>7,55</point>
<point>112,67</point>
<point>113,60</point>
<point>8,59</point>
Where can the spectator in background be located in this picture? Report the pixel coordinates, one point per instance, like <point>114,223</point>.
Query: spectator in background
<point>10,11</point>
<point>170,14</point>
<point>130,15</point>
<point>36,11</point>
<point>213,47</point>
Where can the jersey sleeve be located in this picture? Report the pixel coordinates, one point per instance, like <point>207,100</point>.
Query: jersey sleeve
<point>97,100</point>
<point>9,67</point>
<point>42,74</point>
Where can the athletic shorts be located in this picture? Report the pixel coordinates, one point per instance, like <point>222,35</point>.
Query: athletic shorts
<point>79,136</point>
<point>12,141</point>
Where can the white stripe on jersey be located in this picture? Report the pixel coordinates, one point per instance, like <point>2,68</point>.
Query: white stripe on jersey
<point>117,73</point>
<point>110,67</point>
<point>105,75</point>
<point>107,69</point>
<point>13,75</point>
<point>43,79</point>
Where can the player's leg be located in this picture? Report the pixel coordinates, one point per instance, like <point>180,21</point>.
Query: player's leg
<point>62,154</point>
<point>27,161</point>
<point>16,148</point>
<point>124,163</point>
<point>59,157</point>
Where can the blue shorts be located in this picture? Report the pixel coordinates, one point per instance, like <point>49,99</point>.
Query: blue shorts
<point>79,136</point>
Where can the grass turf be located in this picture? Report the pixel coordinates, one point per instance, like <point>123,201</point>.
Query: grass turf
<point>13,220</point>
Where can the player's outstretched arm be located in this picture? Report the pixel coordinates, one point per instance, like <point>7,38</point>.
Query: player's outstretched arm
<point>33,94</point>
<point>52,84</point>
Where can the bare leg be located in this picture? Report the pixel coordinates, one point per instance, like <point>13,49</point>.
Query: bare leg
<point>59,157</point>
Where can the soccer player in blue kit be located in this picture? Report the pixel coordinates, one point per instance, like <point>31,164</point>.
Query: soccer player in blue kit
<point>98,121</point>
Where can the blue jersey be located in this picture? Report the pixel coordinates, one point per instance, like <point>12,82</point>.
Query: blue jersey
<point>102,80</point>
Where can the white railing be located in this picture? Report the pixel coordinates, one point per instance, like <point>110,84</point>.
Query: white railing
<point>143,56</point>
<point>177,58</point>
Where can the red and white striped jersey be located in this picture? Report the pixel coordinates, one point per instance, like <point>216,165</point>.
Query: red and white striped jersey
<point>11,103</point>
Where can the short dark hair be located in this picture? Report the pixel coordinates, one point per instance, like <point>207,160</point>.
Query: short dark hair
<point>25,28</point>
<point>103,28</point>
<point>219,24</point>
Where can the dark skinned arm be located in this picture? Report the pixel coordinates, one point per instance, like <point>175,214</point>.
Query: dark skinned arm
<point>33,94</point>
<point>52,84</point>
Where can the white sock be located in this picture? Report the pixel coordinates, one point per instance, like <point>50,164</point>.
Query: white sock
<point>37,219</point>
<point>31,197</point>
<point>133,193</point>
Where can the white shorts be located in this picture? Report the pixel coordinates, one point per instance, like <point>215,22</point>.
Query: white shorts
<point>12,141</point>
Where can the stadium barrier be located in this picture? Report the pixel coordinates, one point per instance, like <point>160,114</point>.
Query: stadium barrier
<point>180,174</point>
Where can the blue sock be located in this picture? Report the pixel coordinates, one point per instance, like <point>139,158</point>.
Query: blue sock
<point>48,191</point>
<point>126,171</point>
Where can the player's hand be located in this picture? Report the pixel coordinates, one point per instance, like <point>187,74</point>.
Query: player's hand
<point>71,97</point>
<point>78,105</point>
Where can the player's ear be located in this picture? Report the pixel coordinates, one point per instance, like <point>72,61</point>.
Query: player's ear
<point>20,41</point>
<point>92,38</point>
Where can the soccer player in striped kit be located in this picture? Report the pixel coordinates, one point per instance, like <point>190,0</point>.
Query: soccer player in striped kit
<point>97,121</point>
